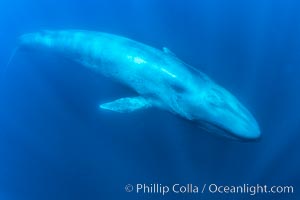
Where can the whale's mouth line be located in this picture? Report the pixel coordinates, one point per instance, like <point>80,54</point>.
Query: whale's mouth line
<point>219,130</point>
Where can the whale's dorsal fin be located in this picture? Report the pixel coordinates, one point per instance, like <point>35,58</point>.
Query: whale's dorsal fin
<point>126,105</point>
<point>168,51</point>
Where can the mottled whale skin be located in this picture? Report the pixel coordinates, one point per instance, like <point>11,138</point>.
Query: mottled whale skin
<point>159,78</point>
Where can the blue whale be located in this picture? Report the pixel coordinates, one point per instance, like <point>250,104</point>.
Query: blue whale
<point>159,78</point>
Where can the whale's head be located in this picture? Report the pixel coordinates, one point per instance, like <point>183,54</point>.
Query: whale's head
<point>217,110</point>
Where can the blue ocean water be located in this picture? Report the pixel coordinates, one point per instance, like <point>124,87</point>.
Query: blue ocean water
<point>56,144</point>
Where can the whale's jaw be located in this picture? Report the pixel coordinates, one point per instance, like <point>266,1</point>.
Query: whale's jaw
<point>217,110</point>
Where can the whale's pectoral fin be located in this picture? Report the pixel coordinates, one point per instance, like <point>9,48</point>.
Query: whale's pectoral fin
<point>126,105</point>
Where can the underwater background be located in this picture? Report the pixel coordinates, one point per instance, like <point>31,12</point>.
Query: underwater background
<point>56,144</point>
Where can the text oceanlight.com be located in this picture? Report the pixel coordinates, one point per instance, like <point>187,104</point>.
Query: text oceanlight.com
<point>177,188</point>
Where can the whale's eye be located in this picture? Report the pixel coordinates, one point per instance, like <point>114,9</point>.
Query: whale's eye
<point>215,98</point>
<point>178,88</point>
